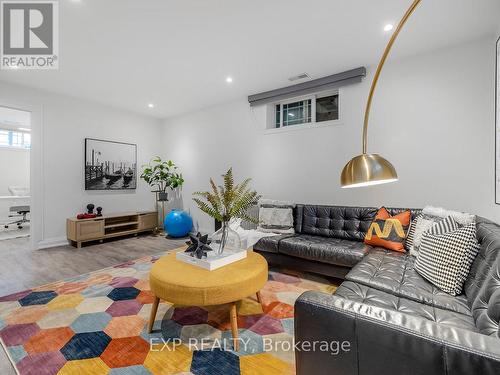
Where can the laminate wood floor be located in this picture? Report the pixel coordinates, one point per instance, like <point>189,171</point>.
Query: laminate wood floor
<point>22,268</point>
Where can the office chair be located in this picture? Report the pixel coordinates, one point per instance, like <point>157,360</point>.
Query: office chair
<point>19,210</point>
<point>16,211</point>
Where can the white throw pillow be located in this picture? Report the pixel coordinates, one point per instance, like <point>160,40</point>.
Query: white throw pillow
<point>275,216</point>
<point>461,218</point>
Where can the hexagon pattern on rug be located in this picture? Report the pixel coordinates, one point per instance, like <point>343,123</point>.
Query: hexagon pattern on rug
<point>92,322</point>
<point>48,340</point>
<point>94,304</point>
<point>123,293</point>
<point>65,301</point>
<point>59,318</point>
<point>190,315</point>
<point>208,362</point>
<point>29,314</point>
<point>125,307</point>
<point>96,324</point>
<point>127,351</point>
<point>37,298</point>
<point>85,345</point>
<point>125,326</point>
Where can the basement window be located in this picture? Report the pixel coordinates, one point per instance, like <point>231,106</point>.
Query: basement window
<point>313,109</point>
<point>327,108</point>
<point>15,139</point>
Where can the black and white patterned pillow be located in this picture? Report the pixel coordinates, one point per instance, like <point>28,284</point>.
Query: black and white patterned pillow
<point>411,233</point>
<point>445,259</point>
<point>424,223</point>
<point>448,224</point>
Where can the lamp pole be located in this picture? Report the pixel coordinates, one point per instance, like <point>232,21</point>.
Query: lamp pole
<point>372,169</point>
<point>379,69</point>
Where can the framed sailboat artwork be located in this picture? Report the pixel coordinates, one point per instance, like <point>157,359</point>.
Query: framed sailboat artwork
<point>110,165</point>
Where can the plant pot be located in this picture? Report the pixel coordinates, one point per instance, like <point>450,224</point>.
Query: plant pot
<point>162,196</point>
<point>225,239</point>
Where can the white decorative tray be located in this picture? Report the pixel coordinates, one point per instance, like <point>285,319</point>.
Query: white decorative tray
<point>212,261</point>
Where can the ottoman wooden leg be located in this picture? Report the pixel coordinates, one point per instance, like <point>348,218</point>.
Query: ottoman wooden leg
<point>152,317</point>
<point>234,326</point>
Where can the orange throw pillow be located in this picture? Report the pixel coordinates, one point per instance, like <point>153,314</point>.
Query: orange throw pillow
<point>388,231</point>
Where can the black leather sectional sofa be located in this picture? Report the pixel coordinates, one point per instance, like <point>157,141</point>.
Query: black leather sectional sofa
<point>393,320</point>
<point>328,239</point>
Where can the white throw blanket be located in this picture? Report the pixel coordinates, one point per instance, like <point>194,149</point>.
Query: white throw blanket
<point>460,217</point>
<point>248,237</point>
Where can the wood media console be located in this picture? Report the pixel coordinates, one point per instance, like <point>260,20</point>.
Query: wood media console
<point>108,226</point>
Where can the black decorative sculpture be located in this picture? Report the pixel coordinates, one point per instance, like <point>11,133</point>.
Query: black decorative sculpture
<point>90,208</point>
<point>99,211</point>
<point>198,245</point>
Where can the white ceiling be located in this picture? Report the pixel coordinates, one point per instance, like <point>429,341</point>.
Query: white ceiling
<point>177,54</point>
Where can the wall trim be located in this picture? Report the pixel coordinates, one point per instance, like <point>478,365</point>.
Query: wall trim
<point>36,168</point>
<point>52,242</point>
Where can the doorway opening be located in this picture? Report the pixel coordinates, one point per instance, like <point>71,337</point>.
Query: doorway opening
<point>15,194</point>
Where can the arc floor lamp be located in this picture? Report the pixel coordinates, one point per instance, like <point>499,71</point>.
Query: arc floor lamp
<point>372,169</point>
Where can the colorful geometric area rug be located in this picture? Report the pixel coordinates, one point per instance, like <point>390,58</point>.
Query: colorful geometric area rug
<point>96,324</point>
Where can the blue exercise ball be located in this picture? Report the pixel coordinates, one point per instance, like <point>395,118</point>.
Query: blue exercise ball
<point>178,223</point>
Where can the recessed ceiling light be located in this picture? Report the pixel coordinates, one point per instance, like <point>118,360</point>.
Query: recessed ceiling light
<point>25,129</point>
<point>388,27</point>
<point>151,105</point>
<point>229,79</point>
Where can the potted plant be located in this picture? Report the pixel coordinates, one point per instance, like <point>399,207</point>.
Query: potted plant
<point>162,175</point>
<point>223,203</point>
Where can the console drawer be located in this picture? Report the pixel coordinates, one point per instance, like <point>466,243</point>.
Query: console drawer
<point>87,230</point>
<point>148,221</point>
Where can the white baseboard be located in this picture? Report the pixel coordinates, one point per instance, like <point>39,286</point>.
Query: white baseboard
<point>52,242</point>
<point>62,241</point>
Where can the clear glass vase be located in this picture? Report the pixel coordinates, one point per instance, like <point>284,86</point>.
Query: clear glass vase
<point>225,239</point>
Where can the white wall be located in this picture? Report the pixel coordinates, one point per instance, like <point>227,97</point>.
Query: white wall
<point>14,168</point>
<point>432,116</point>
<point>66,122</point>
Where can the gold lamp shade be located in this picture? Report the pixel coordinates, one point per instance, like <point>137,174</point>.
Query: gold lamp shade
<point>372,169</point>
<point>367,169</point>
